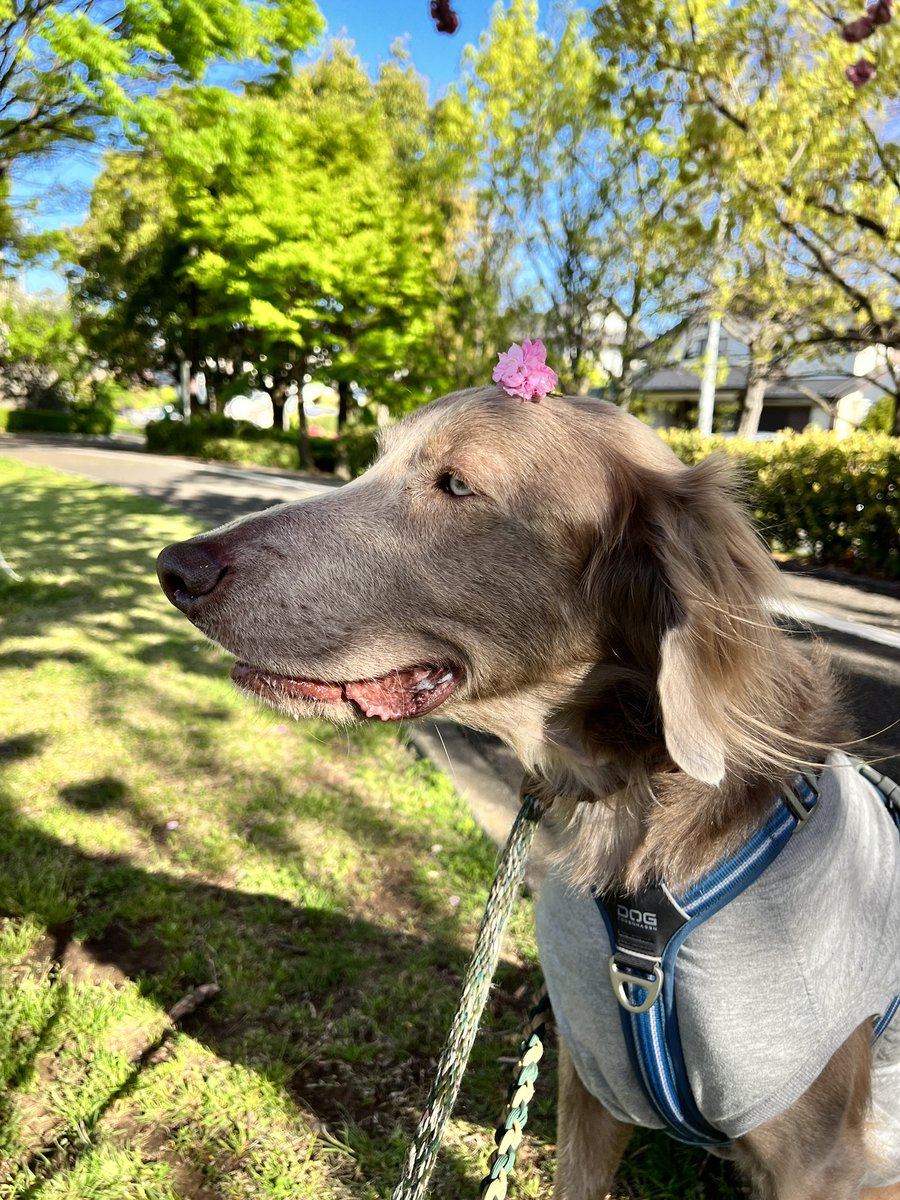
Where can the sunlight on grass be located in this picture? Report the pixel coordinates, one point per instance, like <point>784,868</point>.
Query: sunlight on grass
<point>159,833</point>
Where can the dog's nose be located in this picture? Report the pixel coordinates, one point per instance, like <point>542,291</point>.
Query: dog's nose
<point>189,571</point>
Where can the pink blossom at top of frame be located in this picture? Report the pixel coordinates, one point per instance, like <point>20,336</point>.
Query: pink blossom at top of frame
<point>861,72</point>
<point>858,30</point>
<point>523,371</point>
<point>880,11</point>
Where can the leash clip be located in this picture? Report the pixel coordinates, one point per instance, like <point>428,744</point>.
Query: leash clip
<point>651,982</point>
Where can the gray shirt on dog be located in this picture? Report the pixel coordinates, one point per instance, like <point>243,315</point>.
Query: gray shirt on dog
<point>768,987</point>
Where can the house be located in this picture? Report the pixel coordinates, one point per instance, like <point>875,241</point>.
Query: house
<point>834,391</point>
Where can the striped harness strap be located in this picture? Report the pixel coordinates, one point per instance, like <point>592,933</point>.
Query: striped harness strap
<point>646,931</point>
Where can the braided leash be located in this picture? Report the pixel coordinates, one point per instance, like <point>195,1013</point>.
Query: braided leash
<point>511,1129</point>
<point>476,986</point>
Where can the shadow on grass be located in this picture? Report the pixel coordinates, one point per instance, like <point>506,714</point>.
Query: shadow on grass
<point>346,1014</point>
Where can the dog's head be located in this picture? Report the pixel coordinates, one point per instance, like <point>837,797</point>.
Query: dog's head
<point>544,571</point>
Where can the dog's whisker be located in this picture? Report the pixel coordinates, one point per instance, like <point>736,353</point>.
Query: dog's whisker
<point>446,751</point>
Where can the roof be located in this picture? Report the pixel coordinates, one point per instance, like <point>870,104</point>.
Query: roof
<point>675,380</point>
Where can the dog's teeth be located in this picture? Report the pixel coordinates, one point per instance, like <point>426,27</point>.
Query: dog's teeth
<point>428,684</point>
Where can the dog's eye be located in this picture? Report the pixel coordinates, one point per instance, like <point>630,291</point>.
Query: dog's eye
<point>454,485</point>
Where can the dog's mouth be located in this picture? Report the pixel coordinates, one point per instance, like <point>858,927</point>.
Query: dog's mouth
<point>409,692</point>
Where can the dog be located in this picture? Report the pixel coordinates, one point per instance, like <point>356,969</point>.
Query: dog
<point>551,574</point>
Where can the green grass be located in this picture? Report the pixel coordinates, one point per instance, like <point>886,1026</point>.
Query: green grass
<point>158,832</point>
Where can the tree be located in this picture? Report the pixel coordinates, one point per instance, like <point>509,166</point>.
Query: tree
<point>127,246</point>
<point>325,245</point>
<point>799,157</point>
<point>595,201</point>
<point>67,69</point>
<point>41,356</point>
<point>299,233</point>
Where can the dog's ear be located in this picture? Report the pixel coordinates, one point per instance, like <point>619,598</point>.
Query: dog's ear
<point>684,585</point>
<point>717,647</point>
<point>688,703</point>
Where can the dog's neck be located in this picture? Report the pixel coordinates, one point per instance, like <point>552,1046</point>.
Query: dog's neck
<point>660,827</point>
<point>622,814</point>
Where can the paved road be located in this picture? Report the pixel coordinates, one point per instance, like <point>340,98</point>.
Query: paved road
<point>861,623</point>
<point>210,493</point>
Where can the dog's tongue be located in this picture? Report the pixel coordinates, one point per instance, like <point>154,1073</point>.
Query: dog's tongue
<point>410,692</point>
<point>406,693</point>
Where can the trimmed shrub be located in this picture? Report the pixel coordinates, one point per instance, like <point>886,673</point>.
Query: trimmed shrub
<point>834,501</point>
<point>240,442</point>
<point>359,444</point>
<point>38,420</point>
<point>221,438</point>
<point>324,453</point>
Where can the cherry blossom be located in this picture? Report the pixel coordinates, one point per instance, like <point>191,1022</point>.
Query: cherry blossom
<point>522,371</point>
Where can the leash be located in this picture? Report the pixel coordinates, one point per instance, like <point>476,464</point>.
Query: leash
<point>508,1134</point>
<point>476,986</point>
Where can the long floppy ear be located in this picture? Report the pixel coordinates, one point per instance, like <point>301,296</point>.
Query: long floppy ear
<point>694,737</point>
<point>718,649</point>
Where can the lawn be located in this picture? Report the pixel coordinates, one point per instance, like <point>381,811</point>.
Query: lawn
<point>157,834</point>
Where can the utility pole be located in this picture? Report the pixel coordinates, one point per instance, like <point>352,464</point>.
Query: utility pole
<point>185,387</point>
<point>708,383</point>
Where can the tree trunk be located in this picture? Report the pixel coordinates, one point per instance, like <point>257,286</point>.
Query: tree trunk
<point>345,397</point>
<point>622,389</point>
<point>754,395</point>
<point>341,463</point>
<point>279,397</point>
<point>306,461</point>
<point>625,392</point>
<point>194,353</point>
<point>707,408</point>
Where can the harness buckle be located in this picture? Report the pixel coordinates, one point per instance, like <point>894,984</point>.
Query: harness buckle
<point>800,797</point>
<point>651,982</point>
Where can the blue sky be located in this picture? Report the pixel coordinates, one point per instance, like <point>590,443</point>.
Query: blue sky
<point>59,189</point>
<point>375,26</point>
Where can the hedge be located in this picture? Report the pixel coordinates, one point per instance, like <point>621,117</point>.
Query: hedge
<point>240,442</point>
<point>831,501</point>
<point>38,420</point>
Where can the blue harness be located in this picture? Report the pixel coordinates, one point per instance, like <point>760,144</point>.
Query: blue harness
<point>646,931</point>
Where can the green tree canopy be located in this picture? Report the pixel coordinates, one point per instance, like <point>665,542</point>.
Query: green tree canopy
<point>801,162</point>
<point>302,233</point>
<point>598,230</point>
<point>66,67</point>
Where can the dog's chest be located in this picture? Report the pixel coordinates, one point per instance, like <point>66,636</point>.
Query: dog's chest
<point>768,987</point>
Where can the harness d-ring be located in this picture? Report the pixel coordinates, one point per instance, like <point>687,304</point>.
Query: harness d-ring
<point>651,983</point>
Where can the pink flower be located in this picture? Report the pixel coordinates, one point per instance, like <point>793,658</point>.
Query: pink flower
<point>880,12</point>
<point>523,371</point>
<point>861,72</point>
<point>859,29</point>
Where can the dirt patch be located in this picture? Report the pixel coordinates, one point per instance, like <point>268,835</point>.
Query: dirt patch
<point>132,951</point>
<point>153,1146</point>
<point>120,954</point>
<point>377,1093</point>
<point>374,1096</point>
